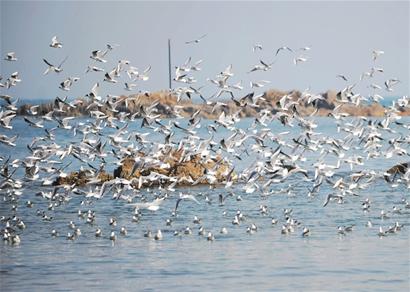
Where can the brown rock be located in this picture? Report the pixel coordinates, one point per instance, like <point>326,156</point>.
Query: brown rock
<point>190,169</point>
<point>125,169</point>
<point>80,178</point>
<point>398,169</point>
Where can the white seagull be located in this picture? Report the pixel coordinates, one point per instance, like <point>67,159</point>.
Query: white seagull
<point>55,43</point>
<point>11,56</point>
<point>196,40</point>
<point>51,67</point>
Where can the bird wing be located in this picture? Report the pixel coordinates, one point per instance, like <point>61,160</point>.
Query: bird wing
<point>147,69</point>
<point>28,121</point>
<point>65,59</point>
<point>7,98</point>
<point>192,198</point>
<point>45,61</point>
<point>177,204</point>
<point>327,200</point>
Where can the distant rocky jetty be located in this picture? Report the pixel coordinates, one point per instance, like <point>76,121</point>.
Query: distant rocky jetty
<point>168,105</point>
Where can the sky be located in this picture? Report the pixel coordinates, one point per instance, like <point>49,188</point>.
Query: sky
<point>341,35</point>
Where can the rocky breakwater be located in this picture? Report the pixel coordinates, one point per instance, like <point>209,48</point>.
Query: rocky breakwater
<point>170,166</point>
<point>82,177</point>
<point>175,166</point>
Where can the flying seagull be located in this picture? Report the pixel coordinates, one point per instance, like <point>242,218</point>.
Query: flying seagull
<point>376,54</point>
<point>55,43</point>
<point>283,48</point>
<point>11,56</point>
<point>299,59</point>
<point>184,197</point>
<point>51,67</point>
<point>256,47</point>
<point>342,77</point>
<point>196,40</point>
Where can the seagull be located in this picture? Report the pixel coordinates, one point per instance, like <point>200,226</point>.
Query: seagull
<point>94,68</point>
<point>263,67</point>
<point>55,43</point>
<point>210,236</point>
<point>94,92</point>
<point>184,197</point>
<point>283,48</point>
<point>299,59</point>
<point>187,231</point>
<point>123,231</point>
<point>227,72</point>
<point>11,56</point>
<point>14,77</point>
<point>342,77</point>
<point>109,77</point>
<point>99,55</point>
<point>304,49</point>
<point>196,40</point>
<point>152,206</point>
<point>256,47</point>
<point>129,86</point>
<point>6,98</point>
<point>67,83</point>
<point>5,120</point>
<point>258,84</point>
<point>33,124</point>
<point>33,110</point>
<point>111,47</point>
<point>158,235</point>
<point>8,141</point>
<point>381,232</point>
<point>332,196</point>
<point>376,54</point>
<point>306,232</point>
<point>51,67</point>
<point>389,84</point>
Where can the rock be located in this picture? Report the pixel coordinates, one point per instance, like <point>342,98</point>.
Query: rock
<point>191,169</point>
<point>104,176</point>
<point>398,169</point>
<point>125,169</point>
<point>80,178</point>
<point>187,170</point>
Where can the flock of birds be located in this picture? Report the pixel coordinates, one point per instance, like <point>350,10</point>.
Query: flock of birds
<point>274,157</point>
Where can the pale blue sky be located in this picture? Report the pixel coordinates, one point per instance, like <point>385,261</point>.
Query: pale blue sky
<point>342,36</point>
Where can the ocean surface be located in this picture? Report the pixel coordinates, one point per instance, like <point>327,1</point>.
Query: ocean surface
<point>325,260</point>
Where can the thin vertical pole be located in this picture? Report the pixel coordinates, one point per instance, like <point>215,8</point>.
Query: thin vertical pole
<point>169,64</point>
